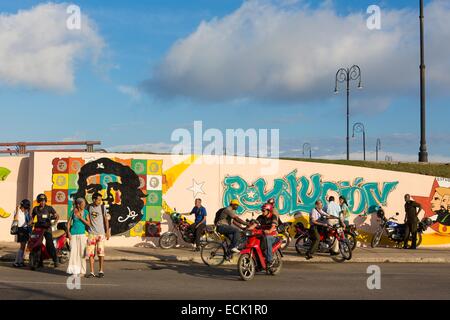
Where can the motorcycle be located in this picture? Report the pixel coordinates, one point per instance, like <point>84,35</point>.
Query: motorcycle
<point>252,258</point>
<point>181,226</point>
<point>38,250</point>
<point>327,241</point>
<point>351,234</point>
<point>396,231</point>
<point>283,233</point>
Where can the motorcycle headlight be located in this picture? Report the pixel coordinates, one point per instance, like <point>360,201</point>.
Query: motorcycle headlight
<point>248,233</point>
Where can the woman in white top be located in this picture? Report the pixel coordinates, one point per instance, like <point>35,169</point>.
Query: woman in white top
<point>23,218</point>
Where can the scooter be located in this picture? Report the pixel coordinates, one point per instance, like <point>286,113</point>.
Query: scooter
<point>38,250</point>
<point>252,259</point>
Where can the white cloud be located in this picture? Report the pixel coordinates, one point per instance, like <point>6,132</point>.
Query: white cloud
<point>39,51</point>
<point>159,147</point>
<point>268,51</point>
<point>132,92</point>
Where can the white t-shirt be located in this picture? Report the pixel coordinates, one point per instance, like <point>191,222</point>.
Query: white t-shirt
<point>334,209</point>
<point>21,221</point>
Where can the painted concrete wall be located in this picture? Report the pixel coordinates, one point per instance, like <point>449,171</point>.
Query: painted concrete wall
<point>142,186</point>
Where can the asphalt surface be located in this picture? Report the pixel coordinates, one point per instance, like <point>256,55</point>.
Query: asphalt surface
<point>127,280</point>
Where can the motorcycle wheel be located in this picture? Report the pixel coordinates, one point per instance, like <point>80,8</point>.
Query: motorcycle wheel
<point>376,239</point>
<point>351,240</point>
<point>286,240</point>
<point>301,245</point>
<point>277,265</point>
<point>168,240</point>
<point>345,249</point>
<point>34,260</point>
<point>246,267</point>
<point>418,241</point>
<point>213,254</point>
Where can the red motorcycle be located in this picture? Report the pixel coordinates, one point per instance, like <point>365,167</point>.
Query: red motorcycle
<point>252,258</point>
<point>38,250</point>
<point>327,241</point>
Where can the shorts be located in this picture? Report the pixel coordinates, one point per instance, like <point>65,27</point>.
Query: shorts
<point>96,244</point>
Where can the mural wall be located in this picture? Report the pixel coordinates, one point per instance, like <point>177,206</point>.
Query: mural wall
<point>139,188</point>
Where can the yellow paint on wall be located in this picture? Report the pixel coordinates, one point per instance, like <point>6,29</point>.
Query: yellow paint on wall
<point>175,172</point>
<point>4,214</point>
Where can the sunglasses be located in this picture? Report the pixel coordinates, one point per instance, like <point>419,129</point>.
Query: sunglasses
<point>42,200</point>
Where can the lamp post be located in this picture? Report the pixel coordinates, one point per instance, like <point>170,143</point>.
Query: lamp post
<point>378,147</point>
<point>346,75</point>
<point>423,154</point>
<point>359,127</point>
<point>306,148</point>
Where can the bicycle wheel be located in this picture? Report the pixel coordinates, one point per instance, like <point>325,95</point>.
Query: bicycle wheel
<point>213,254</point>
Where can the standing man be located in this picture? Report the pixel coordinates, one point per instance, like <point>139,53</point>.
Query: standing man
<point>198,228</point>
<point>411,221</point>
<point>44,215</point>
<point>98,233</point>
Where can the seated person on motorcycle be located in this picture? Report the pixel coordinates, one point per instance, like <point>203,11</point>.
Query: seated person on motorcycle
<point>271,201</point>
<point>44,214</point>
<point>269,222</point>
<point>226,224</point>
<point>318,222</point>
<point>198,227</point>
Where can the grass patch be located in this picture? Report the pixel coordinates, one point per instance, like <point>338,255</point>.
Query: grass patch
<point>430,169</point>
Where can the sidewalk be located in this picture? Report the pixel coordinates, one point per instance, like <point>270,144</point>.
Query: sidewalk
<point>184,254</point>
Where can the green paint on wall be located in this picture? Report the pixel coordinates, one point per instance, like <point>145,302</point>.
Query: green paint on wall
<point>4,173</point>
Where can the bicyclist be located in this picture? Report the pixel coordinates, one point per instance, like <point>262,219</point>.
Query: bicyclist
<point>269,222</point>
<point>227,222</point>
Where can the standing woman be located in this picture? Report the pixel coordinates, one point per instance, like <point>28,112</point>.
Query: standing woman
<point>22,218</point>
<point>76,228</point>
<point>344,210</point>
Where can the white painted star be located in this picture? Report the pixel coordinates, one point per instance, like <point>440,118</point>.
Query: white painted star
<point>197,188</point>
<point>251,194</point>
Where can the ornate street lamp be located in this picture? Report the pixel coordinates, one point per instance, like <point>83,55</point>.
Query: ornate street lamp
<point>346,75</point>
<point>378,147</point>
<point>307,148</point>
<point>423,154</point>
<point>358,128</point>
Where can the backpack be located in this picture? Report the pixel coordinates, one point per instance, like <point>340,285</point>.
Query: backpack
<point>218,214</point>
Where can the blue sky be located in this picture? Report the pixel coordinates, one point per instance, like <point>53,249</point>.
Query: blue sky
<point>110,100</point>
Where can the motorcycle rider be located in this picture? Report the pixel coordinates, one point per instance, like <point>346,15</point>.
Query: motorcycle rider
<point>198,227</point>
<point>411,221</point>
<point>269,222</point>
<point>227,224</point>
<point>44,214</point>
<point>317,221</point>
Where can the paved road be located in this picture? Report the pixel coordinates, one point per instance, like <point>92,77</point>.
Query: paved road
<point>163,280</point>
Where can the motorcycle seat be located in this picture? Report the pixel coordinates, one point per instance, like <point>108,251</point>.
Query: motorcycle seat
<point>57,233</point>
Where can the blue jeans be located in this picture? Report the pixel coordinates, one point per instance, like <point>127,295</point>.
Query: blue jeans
<point>270,240</point>
<point>234,233</point>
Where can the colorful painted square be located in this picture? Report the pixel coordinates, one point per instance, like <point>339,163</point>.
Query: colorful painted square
<point>138,230</point>
<point>142,182</point>
<point>59,197</point>
<point>153,229</point>
<point>105,179</point>
<point>125,162</point>
<point>139,166</point>
<point>73,181</point>
<point>154,167</point>
<point>60,181</point>
<point>153,213</point>
<point>154,198</point>
<point>154,182</point>
<point>61,210</point>
<point>60,165</point>
<point>75,165</point>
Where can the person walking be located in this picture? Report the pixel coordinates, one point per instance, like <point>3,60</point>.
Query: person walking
<point>412,210</point>
<point>76,232</point>
<point>22,218</point>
